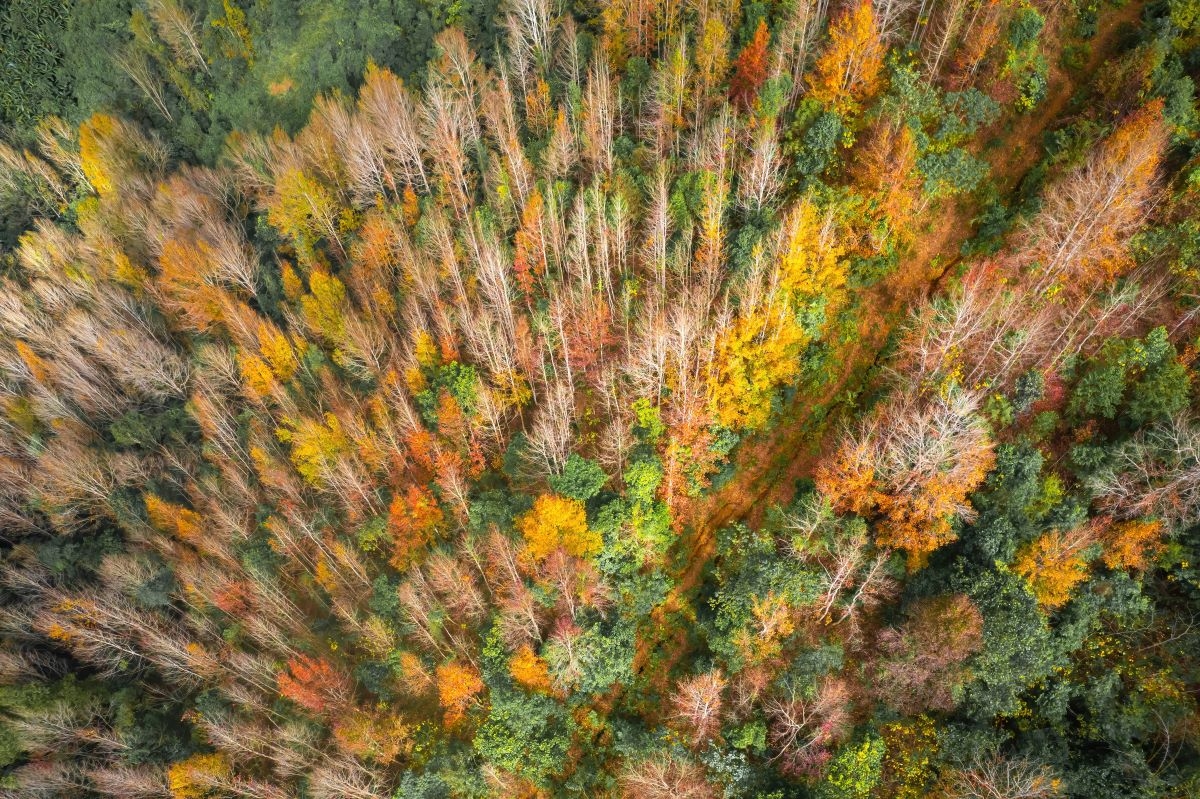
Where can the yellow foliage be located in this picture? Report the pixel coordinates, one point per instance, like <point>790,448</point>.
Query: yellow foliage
<point>301,207</point>
<point>293,286</point>
<point>757,355</point>
<point>315,446</point>
<point>556,522</point>
<point>812,263</point>
<point>325,576</point>
<point>199,776</point>
<point>234,21</point>
<point>256,375</point>
<point>277,350</point>
<point>426,350</point>
<point>324,305</point>
<point>92,158</point>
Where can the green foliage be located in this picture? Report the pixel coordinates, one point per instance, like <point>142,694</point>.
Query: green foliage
<point>33,84</point>
<point>816,148</point>
<point>1142,379</point>
<point>459,380</point>
<point>642,480</point>
<point>525,734</point>
<point>581,478</point>
<point>854,771</point>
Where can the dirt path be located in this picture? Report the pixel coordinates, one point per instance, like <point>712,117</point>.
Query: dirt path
<point>768,466</point>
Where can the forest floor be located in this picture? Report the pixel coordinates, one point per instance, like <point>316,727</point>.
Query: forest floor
<point>768,466</point>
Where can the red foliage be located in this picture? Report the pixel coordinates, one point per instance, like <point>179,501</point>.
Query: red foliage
<point>750,69</point>
<point>314,684</point>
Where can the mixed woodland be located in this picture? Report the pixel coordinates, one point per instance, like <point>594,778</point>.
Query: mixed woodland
<point>647,399</point>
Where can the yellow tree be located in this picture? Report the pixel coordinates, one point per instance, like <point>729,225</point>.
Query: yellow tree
<point>316,446</point>
<point>812,261</point>
<point>758,354</point>
<point>555,522</point>
<point>848,70</point>
<point>200,776</point>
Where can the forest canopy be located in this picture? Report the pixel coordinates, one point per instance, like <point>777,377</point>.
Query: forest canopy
<point>645,400</point>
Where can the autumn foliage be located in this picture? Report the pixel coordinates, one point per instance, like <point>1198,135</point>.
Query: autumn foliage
<point>555,522</point>
<point>314,684</point>
<point>559,418</point>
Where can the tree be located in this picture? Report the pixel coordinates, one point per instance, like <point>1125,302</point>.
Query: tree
<point>803,730</point>
<point>848,70</point>
<point>414,518</point>
<point>315,684</point>
<point>530,671</point>
<point>697,705</point>
<point>914,462</point>
<point>1080,236</point>
<point>554,523</point>
<point>459,687</point>
<point>665,777</point>
<point>924,658</point>
<point>854,771</point>
<point>812,261</point>
<point>750,68</point>
<point>581,479</point>
<point>1132,544</point>
<point>200,776</point>
<point>753,358</point>
<point>1054,563</point>
<point>999,777</point>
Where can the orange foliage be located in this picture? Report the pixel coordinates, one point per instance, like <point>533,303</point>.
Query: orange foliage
<point>1132,544</point>
<point>554,523</point>
<point>919,521</point>
<point>750,69</point>
<point>848,71</point>
<point>1053,564</point>
<point>414,518</point>
<point>848,479</point>
<point>313,683</point>
<point>183,522</point>
<point>530,671</point>
<point>913,464</point>
<point>885,169</point>
<point>529,260</point>
<point>458,686</point>
<point>184,265</point>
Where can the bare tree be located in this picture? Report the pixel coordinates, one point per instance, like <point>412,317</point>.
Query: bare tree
<point>998,777</point>
<point>697,704</point>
